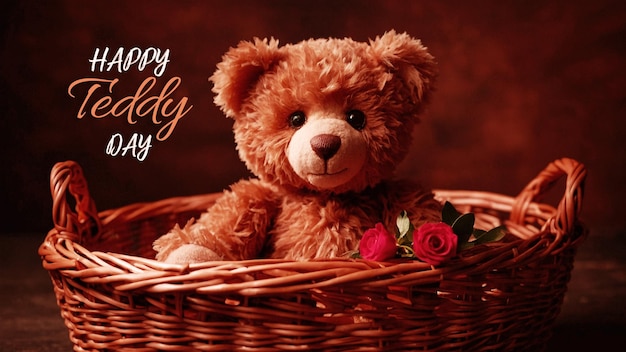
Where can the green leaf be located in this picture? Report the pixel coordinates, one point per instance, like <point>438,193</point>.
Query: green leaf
<point>356,255</point>
<point>449,214</point>
<point>464,246</point>
<point>405,229</point>
<point>404,241</point>
<point>495,234</point>
<point>463,227</point>
<point>404,223</point>
<point>406,252</point>
<point>477,233</point>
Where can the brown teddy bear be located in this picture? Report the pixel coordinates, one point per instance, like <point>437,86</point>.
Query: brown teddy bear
<point>322,124</point>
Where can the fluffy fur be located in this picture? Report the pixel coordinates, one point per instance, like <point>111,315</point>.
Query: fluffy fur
<point>326,175</point>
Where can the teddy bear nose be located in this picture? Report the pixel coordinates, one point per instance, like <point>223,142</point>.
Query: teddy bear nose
<point>325,145</point>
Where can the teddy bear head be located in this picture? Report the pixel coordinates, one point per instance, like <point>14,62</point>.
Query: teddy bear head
<point>327,115</point>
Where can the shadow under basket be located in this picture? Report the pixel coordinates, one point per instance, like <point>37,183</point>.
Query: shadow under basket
<point>501,296</point>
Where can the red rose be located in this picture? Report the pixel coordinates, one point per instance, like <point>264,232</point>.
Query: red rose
<point>377,244</point>
<point>434,243</point>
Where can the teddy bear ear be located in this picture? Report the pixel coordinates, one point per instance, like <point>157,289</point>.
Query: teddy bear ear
<point>407,58</point>
<point>240,69</point>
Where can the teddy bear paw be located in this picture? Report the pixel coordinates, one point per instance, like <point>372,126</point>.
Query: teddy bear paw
<point>191,253</point>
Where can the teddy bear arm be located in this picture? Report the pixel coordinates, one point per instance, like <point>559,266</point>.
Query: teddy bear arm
<point>242,217</point>
<point>234,228</point>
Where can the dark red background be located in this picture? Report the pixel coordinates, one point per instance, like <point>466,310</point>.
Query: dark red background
<point>522,83</point>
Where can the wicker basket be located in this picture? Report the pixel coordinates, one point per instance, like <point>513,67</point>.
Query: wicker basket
<point>500,296</point>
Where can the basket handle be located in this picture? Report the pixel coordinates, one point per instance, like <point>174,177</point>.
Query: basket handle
<point>66,178</point>
<point>570,205</point>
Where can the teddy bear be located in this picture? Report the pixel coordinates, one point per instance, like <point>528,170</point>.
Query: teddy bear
<point>322,125</point>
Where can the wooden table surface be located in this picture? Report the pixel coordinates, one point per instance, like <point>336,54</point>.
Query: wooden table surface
<point>593,316</point>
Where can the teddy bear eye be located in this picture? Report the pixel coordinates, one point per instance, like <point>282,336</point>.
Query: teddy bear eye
<point>297,119</point>
<point>356,119</point>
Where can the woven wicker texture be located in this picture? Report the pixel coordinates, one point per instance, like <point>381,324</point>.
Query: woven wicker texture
<point>501,296</point>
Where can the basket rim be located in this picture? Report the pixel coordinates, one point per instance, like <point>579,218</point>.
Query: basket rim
<point>63,254</point>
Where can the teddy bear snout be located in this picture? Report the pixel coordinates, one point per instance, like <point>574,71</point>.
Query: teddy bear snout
<point>325,145</point>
